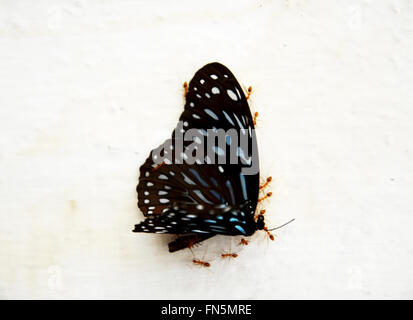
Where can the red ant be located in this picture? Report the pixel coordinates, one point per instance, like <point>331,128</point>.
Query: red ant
<point>229,255</point>
<point>158,166</point>
<point>201,263</point>
<point>185,88</point>
<point>267,182</point>
<point>244,242</point>
<point>269,194</point>
<point>249,95</point>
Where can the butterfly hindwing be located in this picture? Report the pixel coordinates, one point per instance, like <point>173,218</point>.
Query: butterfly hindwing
<point>185,218</point>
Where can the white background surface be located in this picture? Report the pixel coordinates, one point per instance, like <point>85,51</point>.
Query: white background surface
<point>88,88</point>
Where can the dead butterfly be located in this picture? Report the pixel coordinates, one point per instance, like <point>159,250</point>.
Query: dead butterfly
<point>204,180</point>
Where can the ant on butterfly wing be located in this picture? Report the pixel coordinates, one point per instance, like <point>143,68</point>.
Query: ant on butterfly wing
<point>185,85</point>
<point>266,196</point>
<point>249,92</point>
<point>248,96</point>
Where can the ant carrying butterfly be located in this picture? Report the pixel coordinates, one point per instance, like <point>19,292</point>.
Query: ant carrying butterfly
<point>197,189</point>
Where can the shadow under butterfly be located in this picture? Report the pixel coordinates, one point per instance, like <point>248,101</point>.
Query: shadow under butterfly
<point>215,196</point>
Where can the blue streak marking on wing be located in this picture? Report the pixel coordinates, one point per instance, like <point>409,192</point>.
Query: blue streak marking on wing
<point>196,174</point>
<point>200,231</point>
<point>214,181</point>
<point>201,196</point>
<point>231,191</point>
<point>241,229</point>
<point>217,195</point>
<point>244,186</point>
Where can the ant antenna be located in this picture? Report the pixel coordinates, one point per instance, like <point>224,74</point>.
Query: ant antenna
<point>282,225</point>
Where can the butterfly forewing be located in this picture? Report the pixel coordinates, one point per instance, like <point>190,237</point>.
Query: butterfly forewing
<point>215,99</point>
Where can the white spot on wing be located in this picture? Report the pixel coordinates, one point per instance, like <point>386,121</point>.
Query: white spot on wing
<point>232,95</point>
<point>215,90</point>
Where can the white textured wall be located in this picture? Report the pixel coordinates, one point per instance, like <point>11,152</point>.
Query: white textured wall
<point>88,88</point>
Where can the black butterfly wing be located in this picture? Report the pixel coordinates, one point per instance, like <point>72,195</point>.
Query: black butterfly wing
<point>188,218</point>
<point>162,185</point>
<point>214,100</point>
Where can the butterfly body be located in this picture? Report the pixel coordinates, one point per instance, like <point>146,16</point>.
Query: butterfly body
<point>216,193</point>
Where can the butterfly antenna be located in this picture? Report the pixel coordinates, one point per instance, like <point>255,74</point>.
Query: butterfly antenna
<point>282,225</point>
